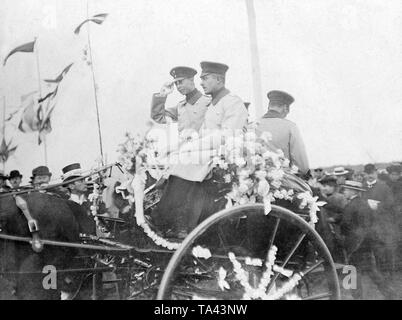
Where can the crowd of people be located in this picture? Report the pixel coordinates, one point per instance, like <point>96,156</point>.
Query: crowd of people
<point>75,186</point>
<point>364,215</point>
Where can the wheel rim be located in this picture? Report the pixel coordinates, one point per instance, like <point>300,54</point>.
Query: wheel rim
<point>307,234</point>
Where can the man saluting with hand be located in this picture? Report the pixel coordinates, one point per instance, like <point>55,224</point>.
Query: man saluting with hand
<point>188,113</point>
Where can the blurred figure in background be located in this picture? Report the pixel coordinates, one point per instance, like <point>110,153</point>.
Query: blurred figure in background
<point>3,183</point>
<point>360,246</point>
<point>381,201</point>
<point>15,179</point>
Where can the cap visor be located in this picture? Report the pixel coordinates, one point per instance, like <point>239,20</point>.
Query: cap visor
<point>178,79</point>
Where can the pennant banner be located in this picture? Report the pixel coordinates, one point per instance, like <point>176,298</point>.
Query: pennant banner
<point>60,76</point>
<point>30,121</point>
<point>27,47</point>
<point>98,19</point>
<point>6,151</point>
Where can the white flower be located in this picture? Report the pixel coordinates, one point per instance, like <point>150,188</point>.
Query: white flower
<point>263,188</point>
<point>222,283</point>
<point>276,174</point>
<point>294,169</point>
<point>240,162</point>
<point>267,205</point>
<point>253,262</point>
<point>200,252</point>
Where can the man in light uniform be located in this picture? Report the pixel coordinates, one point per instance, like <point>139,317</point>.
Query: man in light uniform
<point>191,193</point>
<point>285,134</point>
<point>189,113</point>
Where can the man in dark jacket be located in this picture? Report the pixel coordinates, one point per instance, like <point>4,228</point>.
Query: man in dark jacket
<point>381,201</point>
<point>356,226</point>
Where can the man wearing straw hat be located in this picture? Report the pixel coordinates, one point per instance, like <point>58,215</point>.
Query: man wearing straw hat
<point>356,226</point>
<point>77,188</point>
<point>340,173</point>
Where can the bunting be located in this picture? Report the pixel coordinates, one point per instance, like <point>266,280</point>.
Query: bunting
<point>98,19</point>
<point>61,75</point>
<point>27,47</point>
<point>6,150</point>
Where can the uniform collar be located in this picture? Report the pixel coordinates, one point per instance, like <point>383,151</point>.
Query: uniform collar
<point>371,184</point>
<point>218,95</point>
<point>193,96</point>
<point>273,114</point>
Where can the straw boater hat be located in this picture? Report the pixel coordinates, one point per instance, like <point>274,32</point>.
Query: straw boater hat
<point>354,185</point>
<point>328,180</point>
<point>71,172</point>
<point>338,171</point>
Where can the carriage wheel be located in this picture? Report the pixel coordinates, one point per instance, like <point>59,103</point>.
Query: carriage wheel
<point>304,268</point>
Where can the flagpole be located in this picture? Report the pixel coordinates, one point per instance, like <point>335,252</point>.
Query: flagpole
<point>40,94</point>
<point>255,59</point>
<point>95,88</point>
<point>4,126</point>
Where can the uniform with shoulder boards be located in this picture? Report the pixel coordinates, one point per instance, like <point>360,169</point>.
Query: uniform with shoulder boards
<point>285,134</point>
<point>190,195</point>
<point>190,112</point>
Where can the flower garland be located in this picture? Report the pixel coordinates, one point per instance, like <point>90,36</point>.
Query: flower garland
<point>249,163</point>
<point>94,198</point>
<point>260,292</point>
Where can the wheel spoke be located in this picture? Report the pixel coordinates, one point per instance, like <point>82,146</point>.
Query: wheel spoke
<point>313,267</point>
<point>271,241</point>
<point>319,296</point>
<point>289,256</point>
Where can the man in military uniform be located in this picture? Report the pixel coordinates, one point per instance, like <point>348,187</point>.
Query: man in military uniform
<point>190,196</point>
<point>227,111</point>
<point>190,112</point>
<point>285,134</point>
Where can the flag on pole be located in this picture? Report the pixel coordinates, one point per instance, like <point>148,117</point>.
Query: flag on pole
<point>46,126</point>
<point>11,115</point>
<point>30,121</point>
<point>27,47</point>
<point>6,151</point>
<point>98,19</point>
<point>60,76</point>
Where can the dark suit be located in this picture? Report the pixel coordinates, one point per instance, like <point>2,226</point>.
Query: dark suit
<point>362,246</point>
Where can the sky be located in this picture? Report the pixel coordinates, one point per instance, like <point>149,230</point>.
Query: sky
<point>340,59</point>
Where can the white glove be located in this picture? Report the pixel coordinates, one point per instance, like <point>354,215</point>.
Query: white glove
<point>166,89</point>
